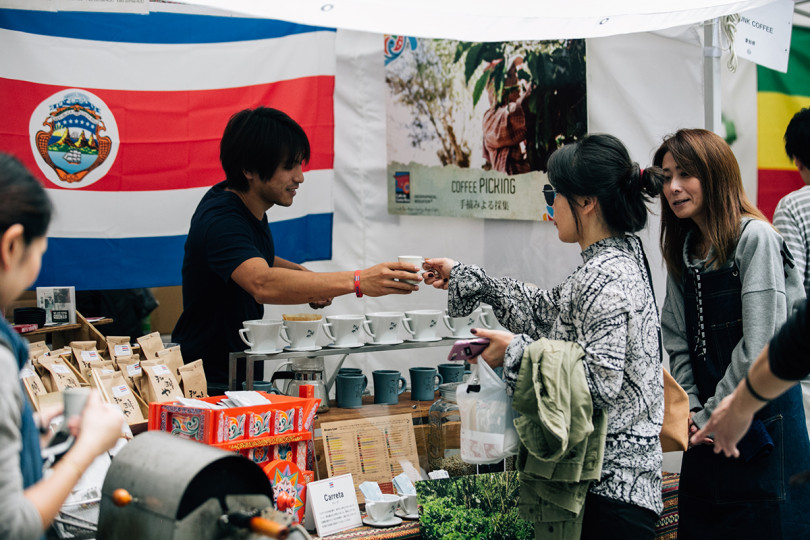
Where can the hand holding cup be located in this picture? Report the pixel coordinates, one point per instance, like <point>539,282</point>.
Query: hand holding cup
<point>437,272</point>
<point>389,278</point>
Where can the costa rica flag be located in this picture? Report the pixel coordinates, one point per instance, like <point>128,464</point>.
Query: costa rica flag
<point>120,115</point>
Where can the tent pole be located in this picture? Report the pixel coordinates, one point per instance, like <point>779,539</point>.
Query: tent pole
<point>711,75</point>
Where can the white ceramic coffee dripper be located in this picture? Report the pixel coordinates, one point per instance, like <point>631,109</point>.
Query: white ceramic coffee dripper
<point>264,335</point>
<point>422,324</point>
<point>461,326</point>
<point>488,318</point>
<point>301,335</point>
<point>382,326</point>
<point>343,330</point>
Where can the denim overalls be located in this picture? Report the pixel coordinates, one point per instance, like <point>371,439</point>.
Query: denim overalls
<point>723,497</point>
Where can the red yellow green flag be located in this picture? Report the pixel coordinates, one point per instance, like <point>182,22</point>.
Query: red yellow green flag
<point>779,97</point>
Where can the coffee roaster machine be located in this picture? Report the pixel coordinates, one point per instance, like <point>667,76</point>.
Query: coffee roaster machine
<point>162,487</point>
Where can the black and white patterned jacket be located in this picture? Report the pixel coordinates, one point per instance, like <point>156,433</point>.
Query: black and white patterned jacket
<point>607,307</point>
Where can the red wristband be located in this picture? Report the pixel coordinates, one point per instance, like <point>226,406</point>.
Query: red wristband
<point>357,290</point>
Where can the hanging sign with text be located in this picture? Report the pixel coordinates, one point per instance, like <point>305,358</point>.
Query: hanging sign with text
<point>763,35</point>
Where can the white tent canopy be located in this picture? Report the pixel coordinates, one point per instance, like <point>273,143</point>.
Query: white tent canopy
<point>506,20</point>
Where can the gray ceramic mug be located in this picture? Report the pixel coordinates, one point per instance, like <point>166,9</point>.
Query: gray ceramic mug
<point>349,371</point>
<point>453,372</point>
<point>349,389</point>
<point>424,383</point>
<point>389,384</point>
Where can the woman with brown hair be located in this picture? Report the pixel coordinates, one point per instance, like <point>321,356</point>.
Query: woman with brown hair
<point>731,285</point>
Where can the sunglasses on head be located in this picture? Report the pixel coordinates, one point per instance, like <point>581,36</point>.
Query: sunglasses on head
<point>549,193</point>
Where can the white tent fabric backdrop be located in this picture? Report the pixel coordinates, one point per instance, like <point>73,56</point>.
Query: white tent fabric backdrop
<point>484,21</point>
<point>640,88</point>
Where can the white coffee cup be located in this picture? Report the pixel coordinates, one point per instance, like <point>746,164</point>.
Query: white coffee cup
<point>415,260</point>
<point>301,334</point>
<point>383,509</point>
<point>461,326</point>
<point>264,335</point>
<point>382,326</point>
<point>409,504</point>
<point>422,324</point>
<point>344,330</point>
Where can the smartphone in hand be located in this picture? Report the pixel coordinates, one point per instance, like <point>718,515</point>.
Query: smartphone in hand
<point>466,349</point>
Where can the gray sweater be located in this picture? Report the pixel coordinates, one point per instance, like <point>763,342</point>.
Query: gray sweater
<point>768,297</point>
<point>18,517</point>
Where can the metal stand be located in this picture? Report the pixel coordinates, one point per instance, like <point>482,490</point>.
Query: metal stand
<point>234,357</point>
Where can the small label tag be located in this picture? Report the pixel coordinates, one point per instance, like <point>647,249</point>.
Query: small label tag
<point>60,316</point>
<point>123,350</point>
<point>133,370</point>
<point>89,356</point>
<point>120,390</point>
<point>160,369</point>
<point>60,368</point>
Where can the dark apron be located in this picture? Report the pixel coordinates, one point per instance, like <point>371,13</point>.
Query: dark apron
<point>723,497</point>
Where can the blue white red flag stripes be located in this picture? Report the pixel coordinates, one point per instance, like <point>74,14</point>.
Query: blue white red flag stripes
<point>120,116</point>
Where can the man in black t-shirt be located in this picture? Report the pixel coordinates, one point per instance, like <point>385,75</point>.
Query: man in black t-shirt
<point>230,268</point>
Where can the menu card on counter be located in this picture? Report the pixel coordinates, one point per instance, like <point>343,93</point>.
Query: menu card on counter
<point>370,449</point>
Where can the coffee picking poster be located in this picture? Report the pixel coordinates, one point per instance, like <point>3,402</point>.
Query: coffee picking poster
<point>470,126</point>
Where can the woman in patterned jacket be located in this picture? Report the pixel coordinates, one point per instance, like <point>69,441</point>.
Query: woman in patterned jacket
<point>606,306</point>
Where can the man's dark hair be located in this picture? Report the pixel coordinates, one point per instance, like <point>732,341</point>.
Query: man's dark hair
<point>797,137</point>
<point>260,140</point>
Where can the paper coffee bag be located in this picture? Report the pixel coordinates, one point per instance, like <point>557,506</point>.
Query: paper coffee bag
<point>150,345</point>
<point>172,358</point>
<point>120,394</point>
<point>159,382</point>
<point>58,376</point>
<point>130,368</point>
<point>100,367</point>
<point>33,385</point>
<point>37,350</point>
<point>84,352</point>
<point>192,379</point>
<point>118,346</point>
